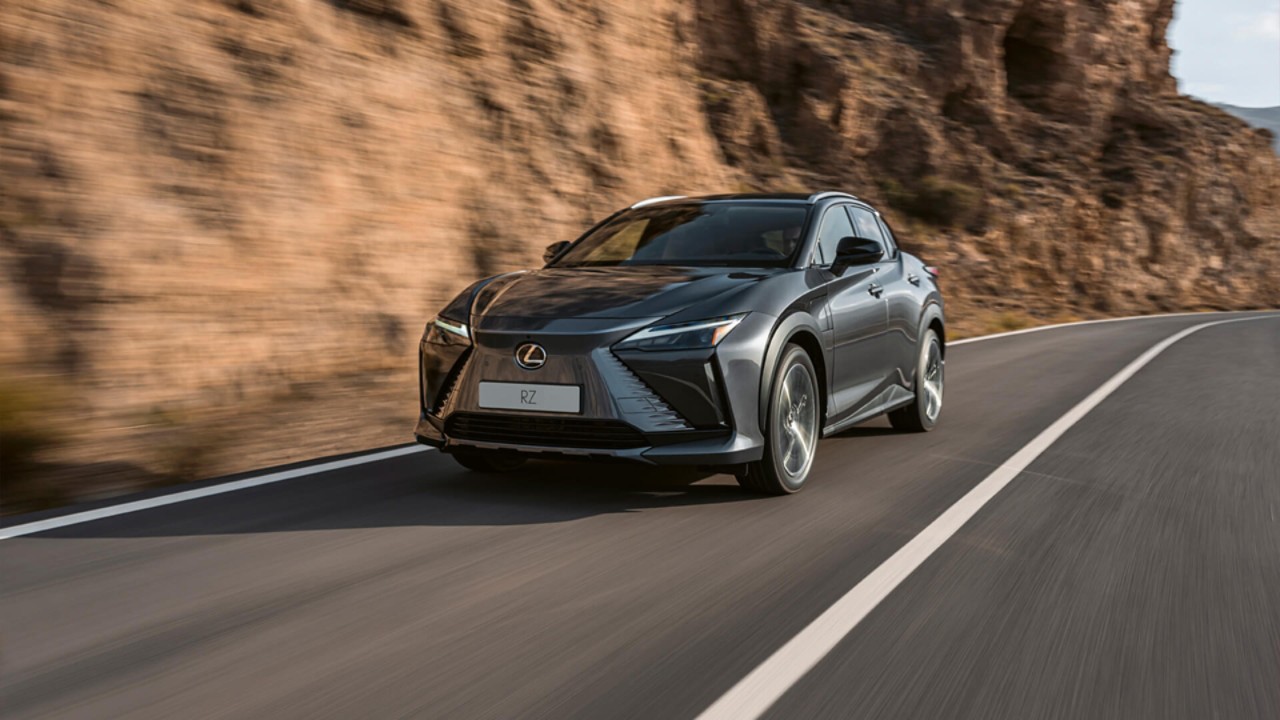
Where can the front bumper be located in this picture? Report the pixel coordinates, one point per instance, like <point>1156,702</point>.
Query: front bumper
<point>675,448</point>
<point>661,408</point>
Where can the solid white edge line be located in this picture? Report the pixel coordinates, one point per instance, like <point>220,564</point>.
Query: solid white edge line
<point>129,507</point>
<point>752,696</point>
<point>1098,321</point>
<point>111,511</point>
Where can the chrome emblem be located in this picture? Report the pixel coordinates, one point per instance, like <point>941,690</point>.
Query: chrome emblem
<point>531,356</point>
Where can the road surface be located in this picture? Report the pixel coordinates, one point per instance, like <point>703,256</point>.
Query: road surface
<point>1131,570</point>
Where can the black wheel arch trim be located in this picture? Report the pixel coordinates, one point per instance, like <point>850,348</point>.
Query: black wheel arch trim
<point>931,312</point>
<point>795,323</point>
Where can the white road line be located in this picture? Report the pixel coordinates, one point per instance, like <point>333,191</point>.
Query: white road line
<point>1055,326</point>
<point>129,507</point>
<point>761,688</point>
<point>111,511</point>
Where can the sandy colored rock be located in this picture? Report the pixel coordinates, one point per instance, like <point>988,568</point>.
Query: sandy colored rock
<point>224,223</point>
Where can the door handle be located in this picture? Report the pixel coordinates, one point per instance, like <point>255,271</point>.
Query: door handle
<point>913,279</point>
<point>876,289</point>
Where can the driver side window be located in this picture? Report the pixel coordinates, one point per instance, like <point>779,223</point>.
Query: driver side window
<point>835,227</point>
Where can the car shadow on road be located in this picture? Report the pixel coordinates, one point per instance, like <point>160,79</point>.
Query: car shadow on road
<point>858,431</point>
<point>425,490</point>
<point>430,489</point>
<point>543,492</point>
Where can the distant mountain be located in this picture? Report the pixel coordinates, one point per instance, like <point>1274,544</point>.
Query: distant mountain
<point>1268,118</point>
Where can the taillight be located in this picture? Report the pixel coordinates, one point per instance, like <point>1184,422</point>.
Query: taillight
<point>931,270</point>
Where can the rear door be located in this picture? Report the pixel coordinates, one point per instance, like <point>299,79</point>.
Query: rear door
<point>859,320</point>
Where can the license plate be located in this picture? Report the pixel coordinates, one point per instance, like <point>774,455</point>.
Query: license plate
<point>526,396</point>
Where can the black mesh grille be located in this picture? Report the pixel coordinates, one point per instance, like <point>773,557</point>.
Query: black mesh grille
<point>451,381</point>
<point>565,432</point>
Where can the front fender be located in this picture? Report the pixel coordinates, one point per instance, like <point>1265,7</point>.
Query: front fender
<point>461,306</point>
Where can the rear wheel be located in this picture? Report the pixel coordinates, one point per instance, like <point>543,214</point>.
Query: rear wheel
<point>922,414</point>
<point>792,428</point>
<point>487,461</point>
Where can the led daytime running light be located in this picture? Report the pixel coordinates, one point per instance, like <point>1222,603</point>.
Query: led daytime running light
<point>458,329</point>
<point>720,326</point>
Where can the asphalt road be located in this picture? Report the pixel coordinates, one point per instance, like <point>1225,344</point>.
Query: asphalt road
<point>1133,570</point>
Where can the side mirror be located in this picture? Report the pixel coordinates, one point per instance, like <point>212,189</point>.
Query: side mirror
<point>857,251</point>
<point>554,249</point>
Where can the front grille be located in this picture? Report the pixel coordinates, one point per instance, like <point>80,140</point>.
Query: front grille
<point>565,432</point>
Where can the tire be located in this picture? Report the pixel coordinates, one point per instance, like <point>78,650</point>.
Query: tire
<point>488,461</point>
<point>793,426</point>
<point>923,412</point>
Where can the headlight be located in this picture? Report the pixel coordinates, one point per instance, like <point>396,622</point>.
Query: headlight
<point>682,336</point>
<point>444,331</point>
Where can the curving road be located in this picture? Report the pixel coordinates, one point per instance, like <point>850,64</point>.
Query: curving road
<point>1130,570</point>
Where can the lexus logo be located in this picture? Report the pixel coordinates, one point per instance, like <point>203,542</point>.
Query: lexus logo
<point>531,356</point>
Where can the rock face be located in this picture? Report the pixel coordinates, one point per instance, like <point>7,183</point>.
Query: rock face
<point>224,222</point>
<point>1048,134</point>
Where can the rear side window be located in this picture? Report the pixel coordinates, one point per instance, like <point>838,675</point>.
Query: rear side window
<point>888,234</point>
<point>834,228</point>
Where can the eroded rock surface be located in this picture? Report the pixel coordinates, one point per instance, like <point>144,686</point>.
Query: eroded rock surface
<point>223,222</point>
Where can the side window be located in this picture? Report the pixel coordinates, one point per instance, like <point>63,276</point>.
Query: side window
<point>888,234</point>
<point>835,227</point>
<point>868,226</point>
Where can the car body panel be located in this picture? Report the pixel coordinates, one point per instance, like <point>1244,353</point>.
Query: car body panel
<point>700,406</point>
<point>859,339</point>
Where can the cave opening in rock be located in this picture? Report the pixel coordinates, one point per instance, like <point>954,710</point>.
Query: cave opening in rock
<point>1032,62</point>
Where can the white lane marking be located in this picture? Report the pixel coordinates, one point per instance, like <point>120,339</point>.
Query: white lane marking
<point>90,515</point>
<point>761,688</point>
<point>1055,326</point>
<point>129,507</point>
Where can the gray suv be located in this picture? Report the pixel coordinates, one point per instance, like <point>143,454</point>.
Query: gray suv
<point>730,331</point>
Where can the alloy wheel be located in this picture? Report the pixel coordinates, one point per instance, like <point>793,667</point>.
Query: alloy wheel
<point>932,380</point>
<point>796,421</point>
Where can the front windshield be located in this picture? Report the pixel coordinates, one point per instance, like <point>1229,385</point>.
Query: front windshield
<point>695,234</point>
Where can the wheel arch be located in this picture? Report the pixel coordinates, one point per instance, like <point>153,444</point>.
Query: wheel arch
<point>802,329</point>
<point>932,319</point>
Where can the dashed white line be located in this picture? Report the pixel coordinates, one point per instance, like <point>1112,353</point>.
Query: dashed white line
<point>112,510</point>
<point>752,696</point>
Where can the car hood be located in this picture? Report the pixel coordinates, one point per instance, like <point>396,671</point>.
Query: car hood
<point>609,292</point>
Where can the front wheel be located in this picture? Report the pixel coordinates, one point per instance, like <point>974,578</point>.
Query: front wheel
<point>922,414</point>
<point>793,423</point>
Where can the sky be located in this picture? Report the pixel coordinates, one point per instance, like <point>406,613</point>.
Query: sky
<point>1228,51</point>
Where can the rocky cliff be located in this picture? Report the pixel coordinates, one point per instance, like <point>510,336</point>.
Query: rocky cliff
<point>1267,118</point>
<point>223,222</point>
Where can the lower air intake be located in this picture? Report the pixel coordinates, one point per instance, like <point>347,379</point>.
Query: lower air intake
<point>566,432</point>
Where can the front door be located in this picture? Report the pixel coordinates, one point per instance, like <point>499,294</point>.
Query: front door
<point>859,321</point>
<point>902,297</point>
